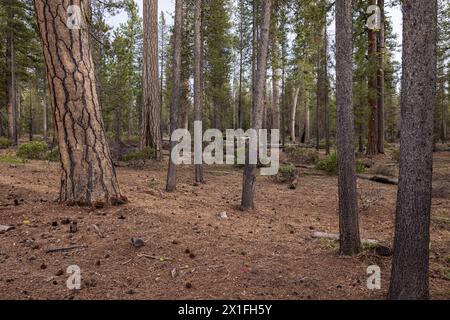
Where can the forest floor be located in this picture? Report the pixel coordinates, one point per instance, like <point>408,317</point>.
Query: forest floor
<point>191,252</point>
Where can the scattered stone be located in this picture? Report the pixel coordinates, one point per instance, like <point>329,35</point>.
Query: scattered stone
<point>223,215</point>
<point>187,251</point>
<point>54,224</point>
<point>174,273</point>
<point>192,255</point>
<point>175,242</point>
<point>131,291</point>
<point>4,229</point>
<point>31,258</point>
<point>43,266</point>
<point>65,221</point>
<point>98,263</point>
<point>137,242</point>
<point>188,285</point>
<point>59,273</point>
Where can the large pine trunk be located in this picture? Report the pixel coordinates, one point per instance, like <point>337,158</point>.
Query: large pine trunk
<point>249,183</point>
<point>410,265</point>
<point>294,113</point>
<point>176,92</point>
<point>88,175</point>
<point>151,113</point>
<point>350,242</point>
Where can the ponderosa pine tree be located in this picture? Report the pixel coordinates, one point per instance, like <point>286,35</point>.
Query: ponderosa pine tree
<point>176,91</point>
<point>88,175</point>
<point>350,242</point>
<point>249,183</point>
<point>198,94</point>
<point>151,113</point>
<point>410,264</point>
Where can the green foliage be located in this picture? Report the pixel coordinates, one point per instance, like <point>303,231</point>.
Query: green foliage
<point>446,273</point>
<point>10,159</point>
<point>287,172</point>
<point>53,155</point>
<point>146,153</point>
<point>302,155</point>
<point>35,150</point>
<point>331,162</point>
<point>5,143</point>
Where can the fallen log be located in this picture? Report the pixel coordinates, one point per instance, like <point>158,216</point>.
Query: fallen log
<point>379,179</point>
<point>334,236</point>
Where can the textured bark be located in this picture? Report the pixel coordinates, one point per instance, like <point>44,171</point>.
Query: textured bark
<point>372,141</point>
<point>151,112</point>
<point>326,91</point>
<point>45,115</point>
<point>198,96</point>
<point>276,80</point>
<point>12,98</point>
<point>380,80</point>
<point>176,91</point>
<point>88,175</point>
<point>249,183</point>
<point>350,242</point>
<point>294,113</point>
<point>410,265</point>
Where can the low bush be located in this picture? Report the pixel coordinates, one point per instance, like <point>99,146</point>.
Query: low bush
<point>5,143</point>
<point>330,164</point>
<point>302,155</point>
<point>286,172</point>
<point>145,154</point>
<point>53,155</point>
<point>34,150</point>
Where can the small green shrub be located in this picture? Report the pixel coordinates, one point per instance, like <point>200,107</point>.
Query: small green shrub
<point>445,273</point>
<point>53,155</point>
<point>35,150</point>
<point>10,159</point>
<point>331,162</point>
<point>286,172</point>
<point>302,155</point>
<point>146,153</point>
<point>5,143</point>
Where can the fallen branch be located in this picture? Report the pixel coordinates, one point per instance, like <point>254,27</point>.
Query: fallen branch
<point>65,249</point>
<point>333,236</point>
<point>6,228</point>
<point>379,179</point>
<point>153,257</point>
<point>97,230</point>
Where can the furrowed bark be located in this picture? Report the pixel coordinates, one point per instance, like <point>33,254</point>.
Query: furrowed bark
<point>88,176</point>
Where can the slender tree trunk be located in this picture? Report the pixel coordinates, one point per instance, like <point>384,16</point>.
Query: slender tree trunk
<point>151,125</point>
<point>198,95</point>
<point>12,98</point>
<point>307,118</point>
<point>249,184</point>
<point>350,242</point>
<point>161,77</point>
<point>276,78</point>
<point>319,92</point>
<point>45,115</point>
<point>176,92</point>
<point>30,120</point>
<point>372,147</point>
<point>88,175</point>
<point>381,90</point>
<point>294,113</point>
<point>326,90</point>
<point>410,264</point>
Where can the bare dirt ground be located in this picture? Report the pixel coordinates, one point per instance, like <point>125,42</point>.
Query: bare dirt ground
<point>190,252</point>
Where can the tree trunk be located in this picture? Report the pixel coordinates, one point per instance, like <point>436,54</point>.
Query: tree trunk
<point>372,142</point>
<point>326,90</point>
<point>198,101</point>
<point>276,79</point>
<point>30,120</point>
<point>88,175</point>
<point>380,81</point>
<point>151,115</point>
<point>176,92</point>
<point>294,113</point>
<point>410,265</point>
<point>45,115</point>
<point>12,98</point>
<point>249,183</point>
<point>350,242</point>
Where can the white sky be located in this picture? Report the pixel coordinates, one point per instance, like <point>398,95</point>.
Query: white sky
<point>168,7</point>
